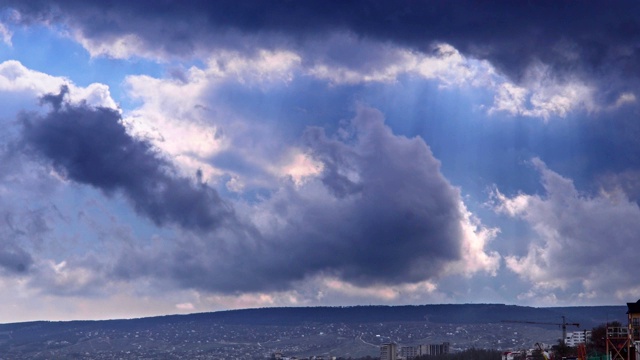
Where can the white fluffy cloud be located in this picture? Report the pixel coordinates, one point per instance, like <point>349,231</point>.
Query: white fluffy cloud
<point>16,79</point>
<point>177,116</point>
<point>118,47</point>
<point>577,236</point>
<point>541,95</point>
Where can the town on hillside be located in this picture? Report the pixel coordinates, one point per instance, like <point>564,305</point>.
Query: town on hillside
<point>611,341</point>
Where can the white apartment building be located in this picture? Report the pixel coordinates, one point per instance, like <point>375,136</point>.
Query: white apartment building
<point>410,352</point>
<point>578,337</point>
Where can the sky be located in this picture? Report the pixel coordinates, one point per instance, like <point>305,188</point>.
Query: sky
<point>163,157</point>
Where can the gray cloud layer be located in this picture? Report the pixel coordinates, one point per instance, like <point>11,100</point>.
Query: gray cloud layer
<point>14,259</point>
<point>380,197</point>
<point>91,146</point>
<point>592,38</point>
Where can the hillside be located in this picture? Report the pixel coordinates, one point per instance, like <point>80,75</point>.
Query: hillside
<point>255,333</point>
<point>588,317</point>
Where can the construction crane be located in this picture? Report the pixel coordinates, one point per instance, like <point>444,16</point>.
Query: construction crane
<point>563,325</point>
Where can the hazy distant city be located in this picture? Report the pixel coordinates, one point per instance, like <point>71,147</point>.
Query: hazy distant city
<point>199,341</point>
<point>256,334</point>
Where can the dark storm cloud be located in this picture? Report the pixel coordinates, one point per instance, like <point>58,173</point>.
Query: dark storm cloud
<point>91,146</point>
<point>589,38</point>
<point>396,201</point>
<point>338,160</point>
<point>381,213</point>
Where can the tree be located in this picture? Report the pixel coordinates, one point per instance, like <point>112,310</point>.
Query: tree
<point>598,342</point>
<point>562,350</point>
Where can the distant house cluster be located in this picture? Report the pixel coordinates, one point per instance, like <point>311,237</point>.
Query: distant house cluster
<point>390,351</point>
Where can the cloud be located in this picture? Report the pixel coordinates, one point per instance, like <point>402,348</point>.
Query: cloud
<point>580,240</point>
<point>74,293</point>
<point>26,213</point>
<point>291,204</point>
<point>74,277</point>
<point>226,118</point>
<point>6,34</point>
<point>368,218</point>
<point>14,259</point>
<point>90,145</point>
<point>535,69</point>
<point>387,62</point>
<point>588,41</point>
<point>542,95</point>
<point>21,87</point>
<point>183,117</point>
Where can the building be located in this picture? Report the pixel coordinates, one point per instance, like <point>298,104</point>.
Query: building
<point>410,352</point>
<point>577,337</point>
<point>438,349</point>
<point>633,312</point>
<point>389,351</point>
<point>623,342</point>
